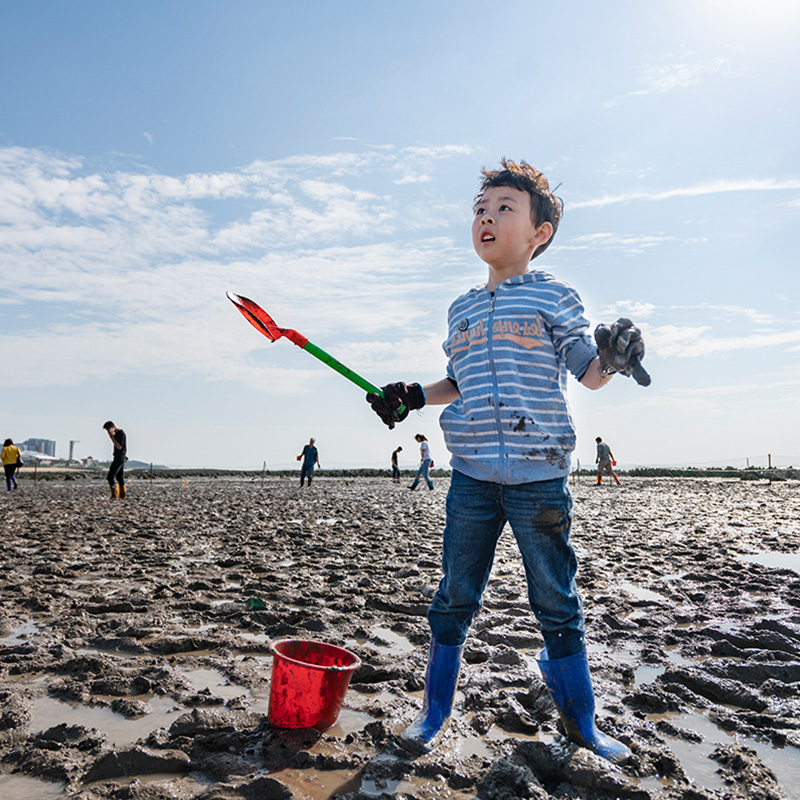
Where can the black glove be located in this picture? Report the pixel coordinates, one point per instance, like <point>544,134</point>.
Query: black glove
<point>394,395</point>
<point>621,349</point>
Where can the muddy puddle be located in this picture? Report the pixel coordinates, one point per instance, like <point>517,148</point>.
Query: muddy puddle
<point>775,560</point>
<point>47,712</point>
<point>134,635</point>
<point>22,787</point>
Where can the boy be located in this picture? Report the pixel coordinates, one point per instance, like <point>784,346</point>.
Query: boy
<point>116,472</point>
<point>508,427</point>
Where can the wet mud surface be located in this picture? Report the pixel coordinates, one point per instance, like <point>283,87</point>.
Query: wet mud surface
<point>134,634</point>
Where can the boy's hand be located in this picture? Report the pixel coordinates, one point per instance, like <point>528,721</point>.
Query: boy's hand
<point>621,349</point>
<point>394,395</point>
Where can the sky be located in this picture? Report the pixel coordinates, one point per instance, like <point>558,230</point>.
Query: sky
<point>322,159</point>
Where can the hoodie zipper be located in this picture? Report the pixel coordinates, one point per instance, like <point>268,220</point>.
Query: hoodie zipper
<point>495,387</point>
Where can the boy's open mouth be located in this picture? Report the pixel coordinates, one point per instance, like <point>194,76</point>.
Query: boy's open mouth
<point>487,237</point>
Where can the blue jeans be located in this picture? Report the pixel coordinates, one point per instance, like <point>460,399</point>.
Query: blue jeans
<point>307,471</point>
<point>540,517</point>
<point>422,472</point>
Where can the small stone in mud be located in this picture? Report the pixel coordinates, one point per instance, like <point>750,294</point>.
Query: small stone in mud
<point>129,707</point>
<point>203,721</point>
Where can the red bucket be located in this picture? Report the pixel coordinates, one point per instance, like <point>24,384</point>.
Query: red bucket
<point>309,682</point>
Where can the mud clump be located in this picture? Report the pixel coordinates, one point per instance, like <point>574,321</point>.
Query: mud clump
<point>134,640</point>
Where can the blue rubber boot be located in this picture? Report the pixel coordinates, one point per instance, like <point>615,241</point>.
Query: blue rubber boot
<point>570,686</point>
<point>441,678</point>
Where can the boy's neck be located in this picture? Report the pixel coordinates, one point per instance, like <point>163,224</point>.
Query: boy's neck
<point>498,276</point>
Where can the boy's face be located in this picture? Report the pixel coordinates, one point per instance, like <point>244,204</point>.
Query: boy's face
<point>503,233</point>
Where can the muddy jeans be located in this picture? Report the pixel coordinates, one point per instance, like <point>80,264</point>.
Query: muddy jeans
<point>540,517</point>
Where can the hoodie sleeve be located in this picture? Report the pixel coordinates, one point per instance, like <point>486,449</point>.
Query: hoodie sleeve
<point>570,334</point>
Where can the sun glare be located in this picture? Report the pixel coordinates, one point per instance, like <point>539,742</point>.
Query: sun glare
<point>767,13</point>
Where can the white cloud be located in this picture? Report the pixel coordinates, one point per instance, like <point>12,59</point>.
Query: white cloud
<point>734,388</point>
<point>711,187</point>
<point>659,79</point>
<point>98,262</point>
<point>696,341</point>
<point>102,262</point>
<point>737,313</point>
<point>409,178</point>
<point>628,243</point>
<point>671,340</point>
<point>149,137</point>
<point>629,308</point>
<point>313,210</point>
<point>656,79</point>
<point>89,353</point>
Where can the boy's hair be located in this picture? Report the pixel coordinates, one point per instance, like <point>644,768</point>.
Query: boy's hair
<point>107,425</point>
<point>545,206</point>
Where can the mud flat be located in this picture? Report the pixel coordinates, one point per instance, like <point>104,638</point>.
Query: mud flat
<point>133,666</point>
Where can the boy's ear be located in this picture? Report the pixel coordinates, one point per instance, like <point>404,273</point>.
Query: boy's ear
<point>542,234</point>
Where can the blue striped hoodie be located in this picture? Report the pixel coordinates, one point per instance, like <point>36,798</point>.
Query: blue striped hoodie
<point>509,352</point>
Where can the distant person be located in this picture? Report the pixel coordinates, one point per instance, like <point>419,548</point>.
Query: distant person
<point>309,457</point>
<point>605,461</point>
<point>395,468</point>
<point>424,464</point>
<point>12,461</point>
<point>116,472</point>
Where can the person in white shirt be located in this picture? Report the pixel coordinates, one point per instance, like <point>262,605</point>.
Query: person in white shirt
<point>425,463</point>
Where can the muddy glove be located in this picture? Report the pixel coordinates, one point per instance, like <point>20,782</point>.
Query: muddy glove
<point>621,349</point>
<point>394,395</point>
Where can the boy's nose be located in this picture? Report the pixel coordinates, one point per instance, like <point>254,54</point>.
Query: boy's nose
<point>487,221</point>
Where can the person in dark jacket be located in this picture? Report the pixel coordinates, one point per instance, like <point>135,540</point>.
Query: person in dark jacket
<point>116,472</point>
<point>310,458</point>
<point>395,467</point>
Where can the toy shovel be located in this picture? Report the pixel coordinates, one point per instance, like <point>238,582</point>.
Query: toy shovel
<point>264,323</point>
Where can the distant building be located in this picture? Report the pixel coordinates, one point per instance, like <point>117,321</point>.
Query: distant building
<point>46,447</point>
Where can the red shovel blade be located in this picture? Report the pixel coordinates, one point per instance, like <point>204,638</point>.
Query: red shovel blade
<point>256,316</point>
<point>263,322</point>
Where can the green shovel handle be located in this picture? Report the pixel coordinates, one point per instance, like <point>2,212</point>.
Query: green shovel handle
<point>353,377</point>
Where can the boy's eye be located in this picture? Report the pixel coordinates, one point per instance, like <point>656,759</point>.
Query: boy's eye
<point>504,207</point>
<point>479,211</point>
